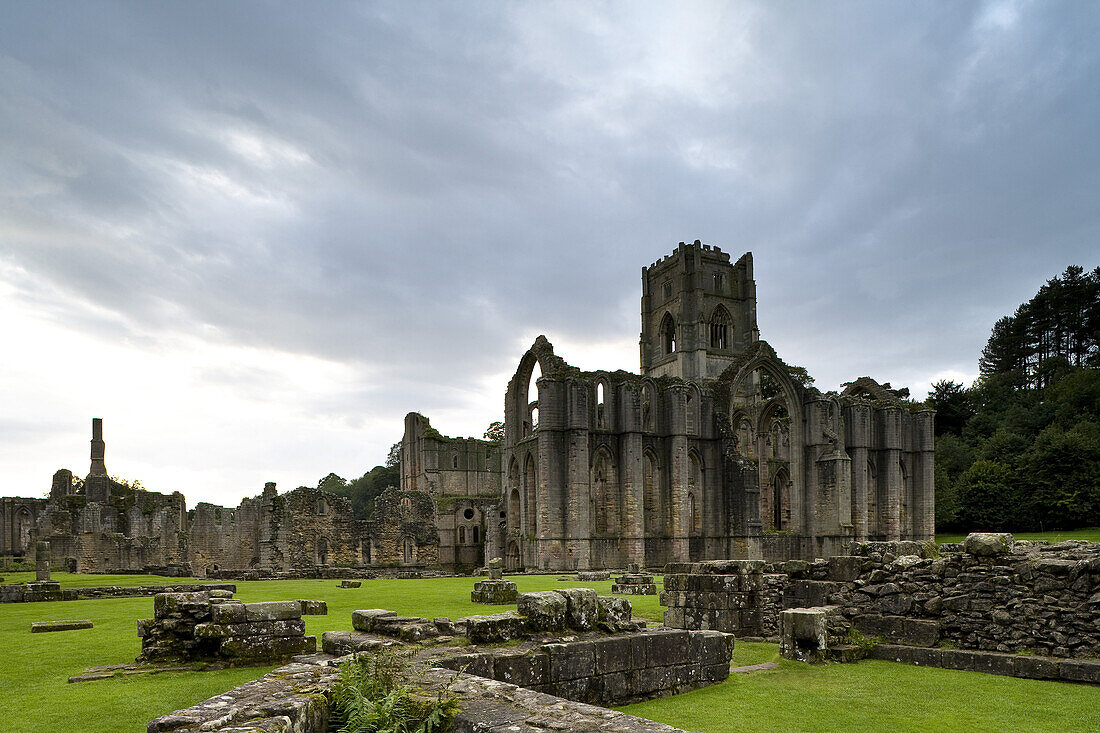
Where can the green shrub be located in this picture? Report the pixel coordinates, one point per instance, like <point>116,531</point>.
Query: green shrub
<point>375,693</point>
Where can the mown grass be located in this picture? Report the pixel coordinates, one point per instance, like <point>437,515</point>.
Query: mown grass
<point>35,694</point>
<point>873,696</point>
<point>1092,534</point>
<point>864,697</point>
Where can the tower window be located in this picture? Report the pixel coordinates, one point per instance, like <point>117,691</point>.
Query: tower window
<point>668,288</point>
<point>668,334</point>
<point>719,329</point>
<point>717,282</point>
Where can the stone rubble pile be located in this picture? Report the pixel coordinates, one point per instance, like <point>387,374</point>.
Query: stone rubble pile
<point>495,590</point>
<point>635,583</point>
<point>214,626</point>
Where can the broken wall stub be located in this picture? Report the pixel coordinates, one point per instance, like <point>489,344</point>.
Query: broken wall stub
<point>723,595</point>
<point>212,626</point>
<point>1031,597</point>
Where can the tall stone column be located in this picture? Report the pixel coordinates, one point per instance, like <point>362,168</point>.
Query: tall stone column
<point>42,561</point>
<point>632,478</point>
<point>677,475</point>
<point>99,449</point>
<point>891,473</point>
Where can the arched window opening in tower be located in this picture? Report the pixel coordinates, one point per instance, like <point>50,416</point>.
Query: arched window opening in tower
<point>668,334</point>
<point>719,329</point>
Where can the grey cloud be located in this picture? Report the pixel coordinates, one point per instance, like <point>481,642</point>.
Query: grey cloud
<point>890,165</point>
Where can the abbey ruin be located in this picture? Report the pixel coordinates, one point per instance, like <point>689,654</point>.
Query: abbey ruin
<point>717,449</point>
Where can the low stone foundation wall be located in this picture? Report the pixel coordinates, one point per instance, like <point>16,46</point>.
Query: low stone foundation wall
<point>1011,665</point>
<point>214,626</point>
<point>52,591</point>
<point>723,595</point>
<point>612,670</point>
<point>363,573</point>
<point>1031,597</point>
<point>287,701</point>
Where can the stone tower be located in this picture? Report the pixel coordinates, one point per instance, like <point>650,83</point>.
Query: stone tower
<point>698,312</point>
<point>97,485</point>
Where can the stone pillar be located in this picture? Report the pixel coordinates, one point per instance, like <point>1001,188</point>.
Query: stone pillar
<point>42,561</point>
<point>859,432</point>
<point>677,476</point>
<point>62,484</point>
<point>925,490</point>
<point>890,509</point>
<point>99,449</point>
<point>632,478</point>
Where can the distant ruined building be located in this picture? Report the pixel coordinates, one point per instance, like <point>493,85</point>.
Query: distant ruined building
<point>100,525</point>
<point>717,449</point>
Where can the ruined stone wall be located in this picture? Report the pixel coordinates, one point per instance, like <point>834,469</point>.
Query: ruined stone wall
<point>131,530</point>
<point>18,516</point>
<point>403,529</point>
<point>224,538</point>
<point>316,528</point>
<point>1036,597</point>
<point>444,466</point>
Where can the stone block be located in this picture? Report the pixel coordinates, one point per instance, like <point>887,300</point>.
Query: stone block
<point>843,568</point>
<point>613,655</point>
<point>228,613</point>
<point>570,661</point>
<point>899,630</point>
<point>542,610</point>
<point>48,626</point>
<point>1080,670</point>
<point>495,627</point>
<point>1036,668</point>
<point>580,608</point>
<point>365,620</point>
<point>167,604</point>
<point>211,631</point>
<point>614,613</point>
<point>525,670</point>
<point>351,583</point>
<point>494,592</point>
<point>664,646</point>
<point>988,544</point>
<point>312,608</point>
<point>616,687</point>
<point>803,634</point>
<point>711,647</point>
<point>587,576</point>
<point>289,627</point>
<point>272,611</point>
<point>482,665</point>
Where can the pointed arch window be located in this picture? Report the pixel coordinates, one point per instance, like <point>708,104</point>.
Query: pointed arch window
<point>720,328</point>
<point>668,334</point>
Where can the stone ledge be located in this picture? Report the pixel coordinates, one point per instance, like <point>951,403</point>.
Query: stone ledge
<point>1010,665</point>
<point>44,626</point>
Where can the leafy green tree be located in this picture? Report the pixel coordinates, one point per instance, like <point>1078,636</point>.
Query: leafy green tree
<point>986,496</point>
<point>1063,476</point>
<point>332,483</point>
<point>951,401</point>
<point>495,431</point>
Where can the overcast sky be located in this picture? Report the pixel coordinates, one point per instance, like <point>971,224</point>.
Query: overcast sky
<point>252,236</point>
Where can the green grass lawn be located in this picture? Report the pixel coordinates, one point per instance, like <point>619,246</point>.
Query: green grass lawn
<point>868,696</point>
<point>1092,534</point>
<point>873,696</point>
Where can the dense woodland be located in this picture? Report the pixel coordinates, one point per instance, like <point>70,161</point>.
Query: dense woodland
<point>1020,448</point>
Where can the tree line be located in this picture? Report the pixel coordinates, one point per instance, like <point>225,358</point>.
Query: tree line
<point>1020,448</point>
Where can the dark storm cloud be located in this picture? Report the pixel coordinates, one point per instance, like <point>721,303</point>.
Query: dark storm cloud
<point>407,187</point>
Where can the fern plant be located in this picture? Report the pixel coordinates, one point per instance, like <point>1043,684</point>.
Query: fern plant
<point>376,693</point>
